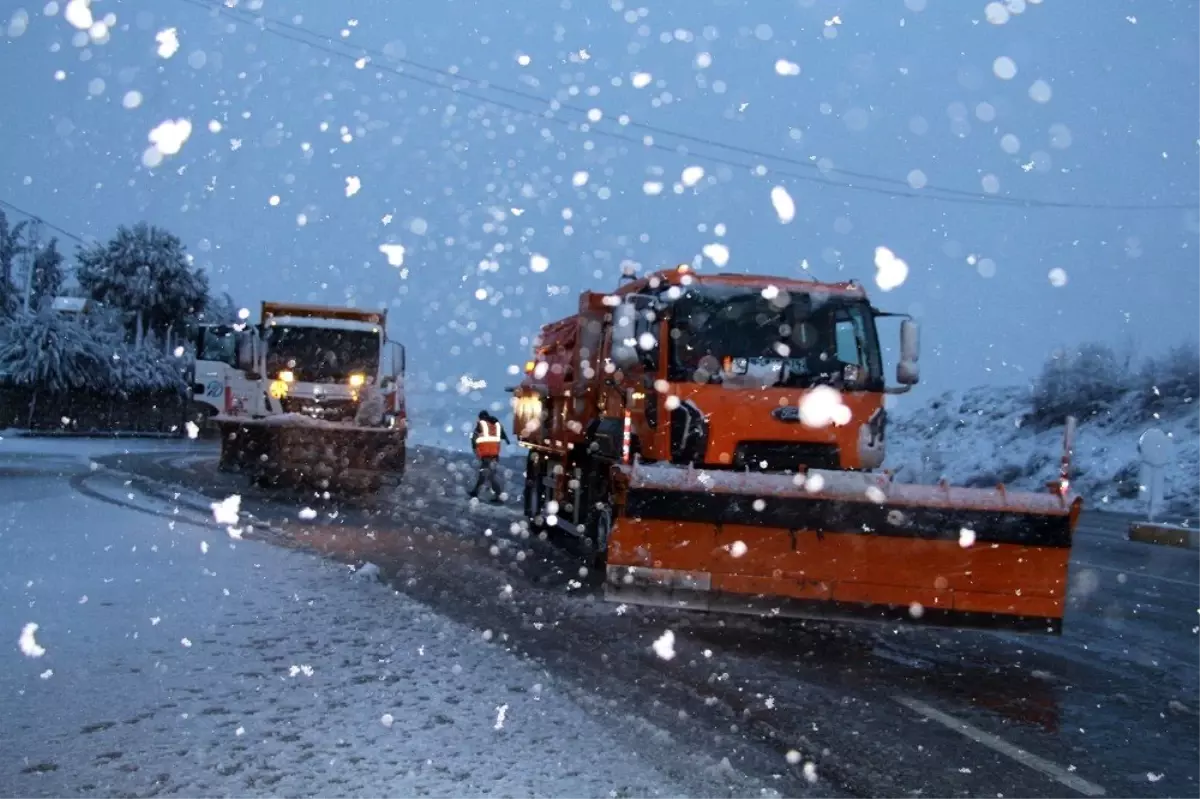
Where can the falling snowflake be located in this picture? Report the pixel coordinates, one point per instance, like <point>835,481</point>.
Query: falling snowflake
<point>822,407</point>
<point>641,80</point>
<point>167,138</point>
<point>691,175</point>
<point>785,206</point>
<point>394,253</point>
<point>168,42</point>
<point>1004,68</point>
<point>538,263</point>
<point>226,511</point>
<point>79,14</point>
<point>501,712</point>
<point>891,272</point>
<point>717,253</point>
<point>29,645</point>
<point>664,647</point>
<point>786,68</point>
<point>353,184</point>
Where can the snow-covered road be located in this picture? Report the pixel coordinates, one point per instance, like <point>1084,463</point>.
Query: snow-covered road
<point>743,707</point>
<point>178,660</point>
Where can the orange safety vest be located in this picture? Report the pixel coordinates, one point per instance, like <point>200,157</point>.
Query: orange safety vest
<point>487,442</point>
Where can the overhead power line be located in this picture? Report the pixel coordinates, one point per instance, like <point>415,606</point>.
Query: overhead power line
<point>814,173</point>
<point>62,231</point>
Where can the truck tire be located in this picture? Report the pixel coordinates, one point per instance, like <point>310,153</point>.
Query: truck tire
<point>599,526</point>
<point>535,471</point>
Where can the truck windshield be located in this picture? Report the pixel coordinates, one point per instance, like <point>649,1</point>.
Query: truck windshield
<point>321,355</point>
<point>217,343</point>
<point>803,339</point>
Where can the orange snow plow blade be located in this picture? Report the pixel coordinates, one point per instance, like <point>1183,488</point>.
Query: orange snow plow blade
<point>844,545</point>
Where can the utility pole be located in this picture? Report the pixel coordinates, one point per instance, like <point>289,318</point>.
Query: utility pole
<point>31,253</point>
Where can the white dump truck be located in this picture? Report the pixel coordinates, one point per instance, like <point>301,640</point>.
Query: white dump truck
<point>315,397</point>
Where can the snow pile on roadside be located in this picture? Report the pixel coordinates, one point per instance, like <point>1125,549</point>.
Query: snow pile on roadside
<point>981,437</point>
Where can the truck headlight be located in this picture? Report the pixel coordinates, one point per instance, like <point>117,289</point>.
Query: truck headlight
<point>287,376</point>
<point>356,381</point>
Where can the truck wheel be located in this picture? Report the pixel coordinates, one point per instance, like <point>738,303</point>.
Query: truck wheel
<point>599,526</point>
<point>534,470</point>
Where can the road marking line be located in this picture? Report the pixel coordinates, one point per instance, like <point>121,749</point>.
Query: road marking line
<point>1131,573</point>
<point>1002,746</point>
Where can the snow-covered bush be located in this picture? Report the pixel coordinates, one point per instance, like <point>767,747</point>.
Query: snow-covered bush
<point>146,370</point>
<point>1172,379</point>
<point>57,354</point>
<point>53,353</point>
<point>1083,382</point>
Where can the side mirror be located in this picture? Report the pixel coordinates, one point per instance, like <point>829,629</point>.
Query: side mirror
<point>908,370</point>
<point>624,342</point>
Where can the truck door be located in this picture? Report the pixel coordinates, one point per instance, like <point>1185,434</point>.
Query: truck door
<point>216,357</point>
<point>392,380</point>
<point>246,387</point>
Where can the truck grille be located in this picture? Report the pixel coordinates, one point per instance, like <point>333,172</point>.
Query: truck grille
<point>777,456</point>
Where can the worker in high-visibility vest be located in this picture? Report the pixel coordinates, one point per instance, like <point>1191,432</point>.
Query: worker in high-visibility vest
<point>486,440</point>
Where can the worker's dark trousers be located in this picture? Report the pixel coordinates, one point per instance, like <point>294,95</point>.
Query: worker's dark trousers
<point>488,471</point>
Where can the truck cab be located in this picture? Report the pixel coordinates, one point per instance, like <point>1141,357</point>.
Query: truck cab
<point>726,371</point>
<point>319,361</point>
<point>218,376</point>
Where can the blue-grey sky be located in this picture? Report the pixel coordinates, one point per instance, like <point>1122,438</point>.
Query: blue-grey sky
<point>1103,108</point>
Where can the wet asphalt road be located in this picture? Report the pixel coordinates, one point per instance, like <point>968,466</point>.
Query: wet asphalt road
<point>1110,708</point>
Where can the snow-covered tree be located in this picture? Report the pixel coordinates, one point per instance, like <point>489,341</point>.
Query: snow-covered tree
<point>47,274</point>
<point>145,272</point>
<point>53,353</point>
<point>11,246</point>
<point>219,310</point>
<point>1082,382</point>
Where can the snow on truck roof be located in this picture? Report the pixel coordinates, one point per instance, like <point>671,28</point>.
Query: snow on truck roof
<point>280,309</point>
<point>324,324</point>
<point>683,274</point>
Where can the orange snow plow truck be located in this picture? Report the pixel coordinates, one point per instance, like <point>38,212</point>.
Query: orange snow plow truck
<point>716,440</point>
